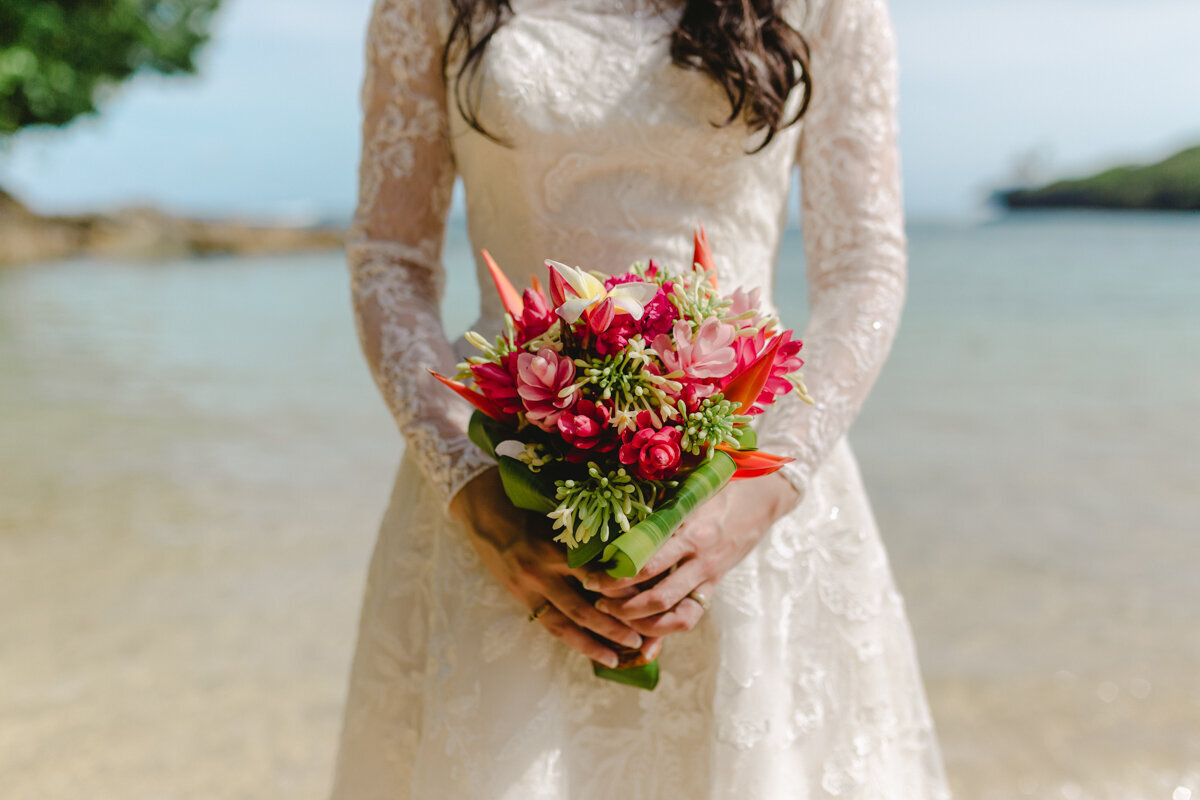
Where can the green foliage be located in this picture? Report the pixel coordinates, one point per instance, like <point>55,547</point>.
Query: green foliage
<point>643,677</point>
<point>710,425</point>
<point>626,556</point>
<point>57,56</point>
<point>1173,184</point>
<point>524,487</point>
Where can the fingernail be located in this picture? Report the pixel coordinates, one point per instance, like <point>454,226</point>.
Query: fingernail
<point>633,640</point>
<point>603,607</point>
<point>610,661</point>
<point>591,584</point>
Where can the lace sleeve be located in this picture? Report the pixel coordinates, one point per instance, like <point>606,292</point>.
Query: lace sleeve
<point>853,232</point>
<point>394,246</point>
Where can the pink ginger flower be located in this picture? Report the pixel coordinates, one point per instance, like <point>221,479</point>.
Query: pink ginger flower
<point>787,361</point>
<point>497,383</point>
<point>707,356</point>
<point>746,349</point>
<point>742,302</point>
<point>536,316</point>
<point>543,381</point>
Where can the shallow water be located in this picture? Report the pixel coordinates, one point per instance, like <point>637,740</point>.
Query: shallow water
<point>193,461</point>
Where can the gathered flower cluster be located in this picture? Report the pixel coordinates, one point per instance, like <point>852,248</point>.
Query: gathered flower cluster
<point>613,386</point>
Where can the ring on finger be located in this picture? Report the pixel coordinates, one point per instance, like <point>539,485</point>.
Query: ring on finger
<point>537,612</point>
<point>704,602</point>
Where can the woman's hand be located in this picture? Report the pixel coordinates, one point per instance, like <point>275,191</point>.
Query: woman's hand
<point>662,598</point>
<point>534,569</point>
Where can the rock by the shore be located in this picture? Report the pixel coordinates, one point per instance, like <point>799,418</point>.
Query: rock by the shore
<point>26,236</point>
<point>1170,185</point>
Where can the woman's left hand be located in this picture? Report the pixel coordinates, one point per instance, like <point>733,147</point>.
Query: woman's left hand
<point>663,597</point>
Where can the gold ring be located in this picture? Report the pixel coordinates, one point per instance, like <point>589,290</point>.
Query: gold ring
<point>537,612</point>
<point>701,599</point>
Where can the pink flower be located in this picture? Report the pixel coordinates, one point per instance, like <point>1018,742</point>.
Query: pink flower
<point>708,355</point>
<point>694,393</point>
<point>576,291</point>
<point>653,454</point>
<point>787,361</point>
<point>746,349</point>
<point>599,317</point>
<point>536,317</point>
<point>584,425</point>
<point>542,381</point>
<point>742,302</point>
<point>497,383</point>
<point>660,314</point>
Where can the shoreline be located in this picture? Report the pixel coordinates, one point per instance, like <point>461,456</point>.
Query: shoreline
<point>27,237</point>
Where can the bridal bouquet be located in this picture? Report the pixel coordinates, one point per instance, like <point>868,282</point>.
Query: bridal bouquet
<point>618,404</point>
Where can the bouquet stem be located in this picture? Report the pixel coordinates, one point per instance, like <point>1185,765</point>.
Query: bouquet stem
<point>632,669</point>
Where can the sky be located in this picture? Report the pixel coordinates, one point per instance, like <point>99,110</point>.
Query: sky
<point>269,127</point>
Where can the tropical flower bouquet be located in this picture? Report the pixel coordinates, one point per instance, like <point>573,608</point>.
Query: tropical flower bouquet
<point>618,404</point>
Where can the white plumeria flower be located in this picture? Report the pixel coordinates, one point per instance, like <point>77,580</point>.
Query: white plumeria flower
<point>629,298</point>
<point>511,448</point>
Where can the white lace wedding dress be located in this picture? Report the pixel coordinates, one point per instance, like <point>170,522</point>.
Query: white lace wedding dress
<point>801,681</point>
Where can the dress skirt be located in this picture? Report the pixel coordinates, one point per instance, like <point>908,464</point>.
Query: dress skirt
<point>801,681</point>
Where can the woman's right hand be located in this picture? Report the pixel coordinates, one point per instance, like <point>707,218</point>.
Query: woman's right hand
<point>534,569</point>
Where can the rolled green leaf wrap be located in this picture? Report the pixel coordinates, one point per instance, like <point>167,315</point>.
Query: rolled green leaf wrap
<point>643,677</point>
<point>628,553</point>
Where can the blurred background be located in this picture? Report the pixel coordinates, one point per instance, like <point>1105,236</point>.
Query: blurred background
<point>194,460</point>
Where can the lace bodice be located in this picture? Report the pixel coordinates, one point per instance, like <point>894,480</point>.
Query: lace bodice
<point>611,155</point>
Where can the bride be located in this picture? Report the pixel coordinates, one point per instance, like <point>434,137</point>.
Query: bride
<point>597,133</point>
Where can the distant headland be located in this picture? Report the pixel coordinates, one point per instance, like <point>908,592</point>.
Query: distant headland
<point>1170,185</point>
<point>26,236</point>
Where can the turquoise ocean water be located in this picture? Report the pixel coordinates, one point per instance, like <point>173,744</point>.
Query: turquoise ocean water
<point>193,460</point>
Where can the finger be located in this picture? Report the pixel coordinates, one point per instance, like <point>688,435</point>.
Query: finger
<point>671,553</point>
<point>577,638</point>
<point>580,610</point>
<point>652,646</point>
<point>659,598</point>
<point>628,591</point>
<point>683,617</point>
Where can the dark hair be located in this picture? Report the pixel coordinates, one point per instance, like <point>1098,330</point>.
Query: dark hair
<point>744,45</point>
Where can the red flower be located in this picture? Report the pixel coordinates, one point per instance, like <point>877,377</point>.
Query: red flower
<point>746,349</point>
<point>536,317</point>
<point>660,314</point>
<point>654,454</point>
<point>498,384</point>
<point>584,425</point>
<point>616,336</point>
